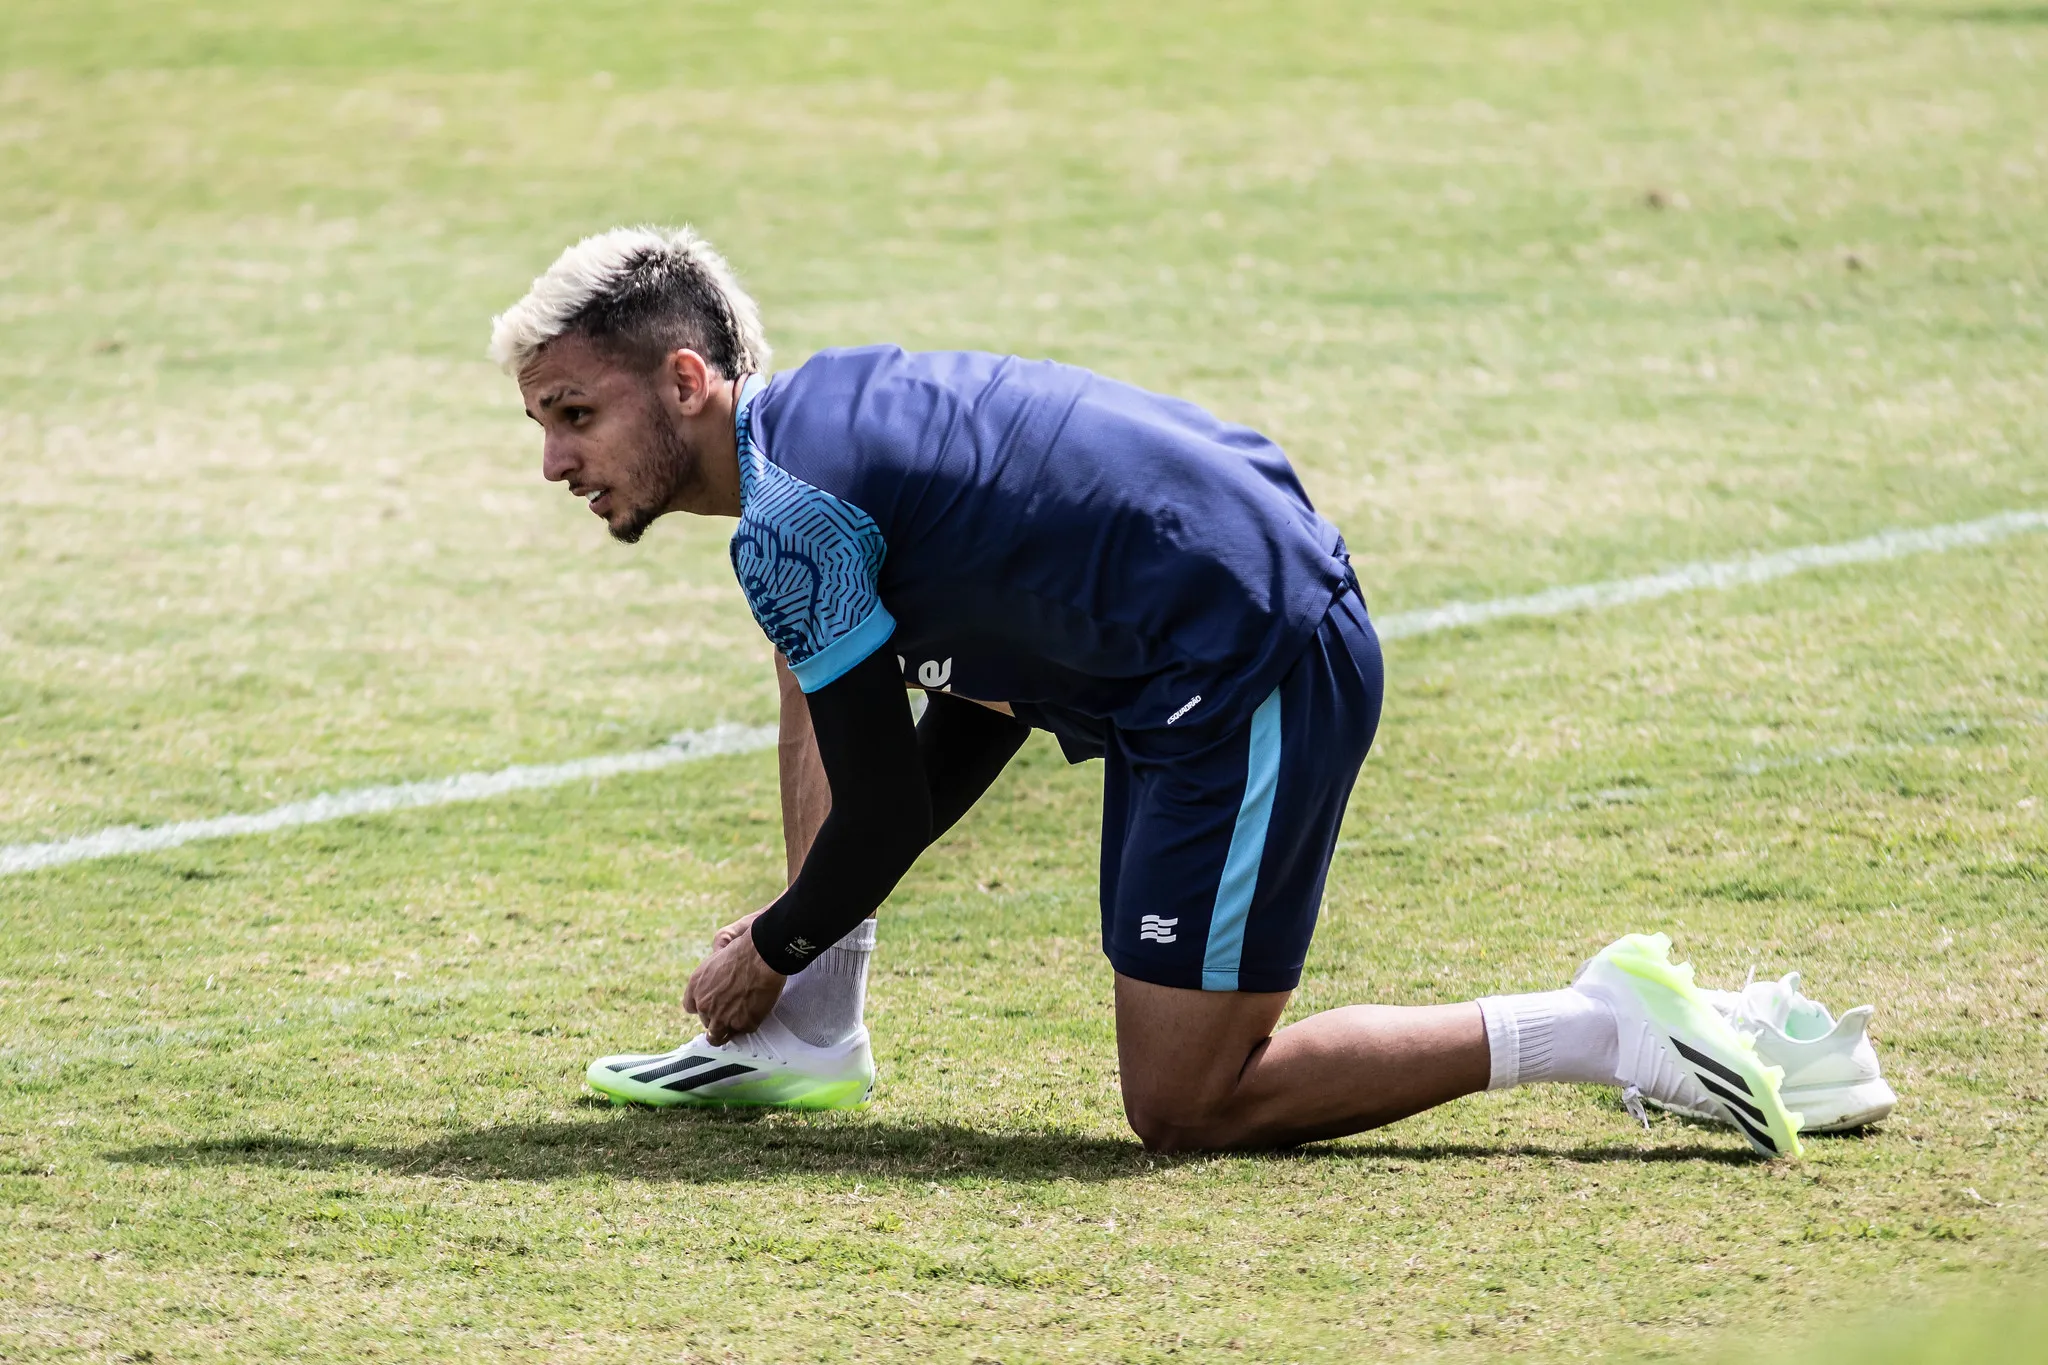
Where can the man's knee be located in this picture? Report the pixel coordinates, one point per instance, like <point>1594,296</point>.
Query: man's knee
<point>1176,1123</point>
<point>1183,1055</point>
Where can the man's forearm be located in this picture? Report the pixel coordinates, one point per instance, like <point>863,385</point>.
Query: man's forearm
<point>964,745</point>
<point>806,795</point>
<point>880,817</point>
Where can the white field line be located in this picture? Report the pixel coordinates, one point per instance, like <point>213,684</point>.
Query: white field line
<point>1723,573</point>
<point>735,739</point>
<point>108,843</point>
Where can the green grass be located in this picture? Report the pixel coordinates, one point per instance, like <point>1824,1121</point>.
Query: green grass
<point>1533,294</point>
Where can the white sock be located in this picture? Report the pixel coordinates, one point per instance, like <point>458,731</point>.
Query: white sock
<point>823,1003</point>
<point>1562,1035</point>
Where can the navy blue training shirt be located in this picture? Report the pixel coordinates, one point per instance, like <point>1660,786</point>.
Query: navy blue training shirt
<point>1024,531</point>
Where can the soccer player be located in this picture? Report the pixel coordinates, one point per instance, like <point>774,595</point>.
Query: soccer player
<point>1036,546</point>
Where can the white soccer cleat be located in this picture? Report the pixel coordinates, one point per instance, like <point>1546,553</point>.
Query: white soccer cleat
<point>769,1067</point>
<point>1676,1048</point>
<point>1831,1073</point>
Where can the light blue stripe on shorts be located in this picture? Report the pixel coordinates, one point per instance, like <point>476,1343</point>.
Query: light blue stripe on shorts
<point>1247,847</point>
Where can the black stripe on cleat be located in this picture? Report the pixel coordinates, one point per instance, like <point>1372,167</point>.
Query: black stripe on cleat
<point>726,1072</point>
<point>1760,1136</point>
<point>649,1077</point>
<point>1727,1096</point>
<point>1721,1069</point>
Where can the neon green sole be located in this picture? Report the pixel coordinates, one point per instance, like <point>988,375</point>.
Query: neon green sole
<point>1680,1008</point>
<point>770,1092</point>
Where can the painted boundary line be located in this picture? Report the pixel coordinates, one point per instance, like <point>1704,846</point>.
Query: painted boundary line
<point>738,739</point>
<point>1714,574</point>
<point>109,843</point>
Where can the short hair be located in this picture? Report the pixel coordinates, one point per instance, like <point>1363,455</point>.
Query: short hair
<point>642,292</point>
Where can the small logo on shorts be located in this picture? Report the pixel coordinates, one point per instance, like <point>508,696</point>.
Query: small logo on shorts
<point>932,675</point>
<point>1152,929</point>
<point>1191,704</point>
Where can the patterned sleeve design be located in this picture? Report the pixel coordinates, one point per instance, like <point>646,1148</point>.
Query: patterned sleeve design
<point>809,564</point>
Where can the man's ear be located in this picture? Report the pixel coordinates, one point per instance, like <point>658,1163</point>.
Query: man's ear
<point>689,380</point>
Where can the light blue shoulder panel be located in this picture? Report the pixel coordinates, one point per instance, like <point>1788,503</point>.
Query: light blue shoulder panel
<point>808,562</point>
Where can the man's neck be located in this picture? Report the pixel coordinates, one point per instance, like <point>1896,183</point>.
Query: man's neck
<point>710,434</point>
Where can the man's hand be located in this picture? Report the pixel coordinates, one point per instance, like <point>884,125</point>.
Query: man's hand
<point>733,989</point>
<point>742,925</point>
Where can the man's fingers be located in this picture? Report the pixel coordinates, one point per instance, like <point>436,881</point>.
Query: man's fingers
<point>734,930</point>
<point>732,990</point>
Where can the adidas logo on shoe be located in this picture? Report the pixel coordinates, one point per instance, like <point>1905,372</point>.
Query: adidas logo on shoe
<point>1675,1047</point>
<point>770,1066</point>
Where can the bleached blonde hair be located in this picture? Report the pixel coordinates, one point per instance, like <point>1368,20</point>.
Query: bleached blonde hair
<point>645,292</point>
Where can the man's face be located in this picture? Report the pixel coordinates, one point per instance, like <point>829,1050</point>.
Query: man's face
<point>608,434</point>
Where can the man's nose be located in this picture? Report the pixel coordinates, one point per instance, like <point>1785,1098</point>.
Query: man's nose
<point>555,464</point>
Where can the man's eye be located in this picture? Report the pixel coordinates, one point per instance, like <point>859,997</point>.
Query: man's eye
<point>577,416</point>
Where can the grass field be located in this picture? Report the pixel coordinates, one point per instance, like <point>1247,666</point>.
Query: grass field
<point>1534,295</point>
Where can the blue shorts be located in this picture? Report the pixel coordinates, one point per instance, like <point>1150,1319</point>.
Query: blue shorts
<point>1215,846</point>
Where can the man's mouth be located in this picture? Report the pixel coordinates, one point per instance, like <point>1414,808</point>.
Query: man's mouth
<point>595,496</point>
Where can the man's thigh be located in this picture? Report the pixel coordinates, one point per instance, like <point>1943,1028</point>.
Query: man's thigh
<point>1216,845</point>
<point>1180,1052</point>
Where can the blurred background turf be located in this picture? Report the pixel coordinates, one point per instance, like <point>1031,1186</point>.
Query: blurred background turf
<point>1533,294</point>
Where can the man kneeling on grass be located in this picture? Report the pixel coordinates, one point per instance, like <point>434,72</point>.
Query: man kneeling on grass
<point>1036,546</point>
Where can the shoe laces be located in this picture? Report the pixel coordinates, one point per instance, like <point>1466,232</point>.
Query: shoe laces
<point>753,1044</point>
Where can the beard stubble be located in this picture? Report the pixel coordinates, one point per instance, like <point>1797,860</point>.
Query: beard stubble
<point>671,471</point>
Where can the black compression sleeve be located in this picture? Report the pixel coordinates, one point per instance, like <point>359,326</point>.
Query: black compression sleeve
<point>964,746</point>
<point>894,791</point>
<point>881,816</point>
